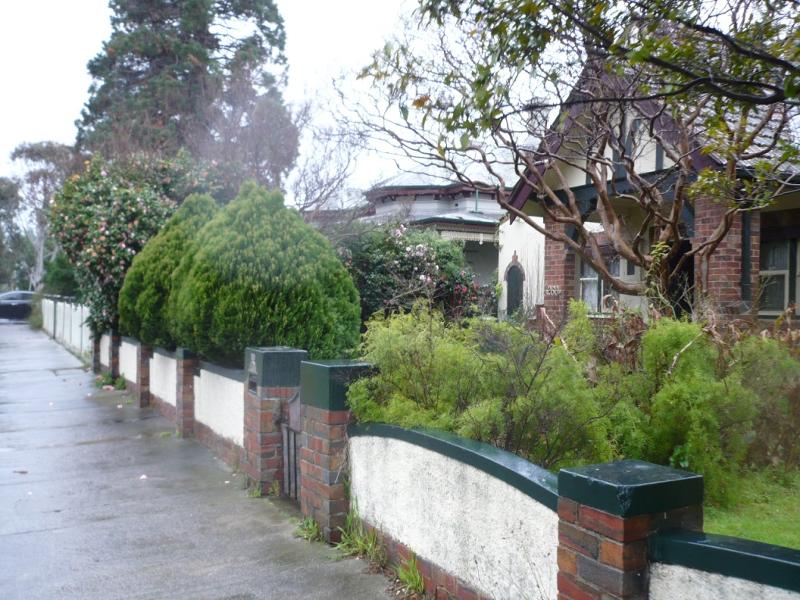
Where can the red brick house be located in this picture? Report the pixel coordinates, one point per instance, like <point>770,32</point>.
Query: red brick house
<point>754,268</point>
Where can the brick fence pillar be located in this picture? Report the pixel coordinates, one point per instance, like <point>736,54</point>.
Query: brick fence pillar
<point>559,275</point>
<point>143,355</point>
<point>273,378</point>
<point>116,342</point>
<point>97,368</point>
<point>323,391</point>
<point>186,364</point>
<point>606,513</point>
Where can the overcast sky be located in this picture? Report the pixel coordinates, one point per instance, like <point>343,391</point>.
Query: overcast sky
<point>45,45</point>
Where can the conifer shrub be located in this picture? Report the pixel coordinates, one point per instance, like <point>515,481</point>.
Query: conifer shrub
<point>257,275</point>
<point>144,297</point>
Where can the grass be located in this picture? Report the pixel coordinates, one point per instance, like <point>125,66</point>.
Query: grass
<point>768,510</point>
<point>357,540</point>
<point>308,529</point>
<point>410,577</point>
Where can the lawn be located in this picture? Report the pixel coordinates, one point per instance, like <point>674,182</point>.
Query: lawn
<point>767,511</point>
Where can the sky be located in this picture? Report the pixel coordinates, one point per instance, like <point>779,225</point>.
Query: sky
<point>45,45</point>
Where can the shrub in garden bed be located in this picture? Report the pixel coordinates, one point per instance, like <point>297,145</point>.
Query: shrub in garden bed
<point>681,395</point>
<point>144,297</point>
<point>256,274</point>
<point>394,266</point>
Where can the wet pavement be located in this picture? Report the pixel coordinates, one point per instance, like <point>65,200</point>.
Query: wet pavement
<point>99,499</point>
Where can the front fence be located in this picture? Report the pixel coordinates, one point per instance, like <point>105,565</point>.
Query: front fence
<point>482,523</point>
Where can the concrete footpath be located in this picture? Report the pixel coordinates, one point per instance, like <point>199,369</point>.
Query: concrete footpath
<point>99,499</point>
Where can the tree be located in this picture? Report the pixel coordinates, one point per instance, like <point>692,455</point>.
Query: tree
<point>203,76</point>
<point>743,51</point>
<point>514,91</point>
<point>103,217</point>
<point>256,275</point>
<point>9,202</point>
<point>47,166</point>
<point>394,267</point>
<point>144,297</point>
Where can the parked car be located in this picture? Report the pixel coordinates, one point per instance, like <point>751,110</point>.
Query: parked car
<point>15,305</point>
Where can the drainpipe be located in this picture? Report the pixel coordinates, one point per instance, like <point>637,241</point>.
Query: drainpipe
<point>746,275</point>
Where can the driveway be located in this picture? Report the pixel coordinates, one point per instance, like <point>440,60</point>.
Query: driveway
<point>100,500</point>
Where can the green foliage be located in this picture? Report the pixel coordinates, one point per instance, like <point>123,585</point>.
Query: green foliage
<point>393,267</point>
<point>101,219</point>
<point>689,400</point>
<point>59,277</point>
<point>410,577</point>
<point>308,529</point>
<point>357,540</point>
<point>768,369</point>
<point>257,275</point>
<point>143,299</point>
<point>522,394</point>
<point>201,76</point>
<point>36,318</point>
<point>765,509</point>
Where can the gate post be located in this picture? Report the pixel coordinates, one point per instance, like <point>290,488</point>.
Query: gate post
<point>97,367</point>
<point>273,378</point>
<point>606,513</point>
<point>323,391</point>
<point>143,355</point>
<point>186,365</point>
<point>116,341</point>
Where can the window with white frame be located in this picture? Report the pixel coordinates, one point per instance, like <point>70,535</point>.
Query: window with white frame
<point>774,276</point>
<point>593,289</point>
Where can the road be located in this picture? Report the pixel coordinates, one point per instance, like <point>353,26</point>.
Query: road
<point>99,499</point>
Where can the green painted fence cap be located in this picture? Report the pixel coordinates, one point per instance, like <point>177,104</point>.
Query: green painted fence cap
<point>631,487</point>
<point>274,366</point>
<point>324,383</point>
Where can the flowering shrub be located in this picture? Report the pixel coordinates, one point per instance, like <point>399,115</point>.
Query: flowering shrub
<point>101,219</point>
<point>394,266</point>
<point>104,216</point>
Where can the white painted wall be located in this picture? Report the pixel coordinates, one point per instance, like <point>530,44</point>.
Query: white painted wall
<point>128,361</point>
<point>528,243</point>
<point>86,333</point>
<point>47,316</point>
<point>163,377</point>
<point>219,405</point>
<point>66,322</point>
<point>105,350</point>
<point>487,533</point>
<point>675,582</point>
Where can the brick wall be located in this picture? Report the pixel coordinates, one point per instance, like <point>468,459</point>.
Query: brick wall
<point>559,275</point>
<point>606,514</point>
<point>721,277</point>
<point>322,491</point>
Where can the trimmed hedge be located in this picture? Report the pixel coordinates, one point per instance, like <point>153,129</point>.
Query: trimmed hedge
<point>259,276</point>
<point>144,297</point>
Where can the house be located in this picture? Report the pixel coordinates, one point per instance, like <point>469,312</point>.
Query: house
<point>455,210</point>
<point>520,268</point>
<point>753,268</point>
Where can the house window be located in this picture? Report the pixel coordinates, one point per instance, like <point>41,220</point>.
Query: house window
<point>774,276</point>
<point>593,289</point>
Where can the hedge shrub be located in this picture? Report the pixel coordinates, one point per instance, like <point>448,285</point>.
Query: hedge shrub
<point>144,297</point>
<point>258,275</point>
